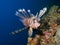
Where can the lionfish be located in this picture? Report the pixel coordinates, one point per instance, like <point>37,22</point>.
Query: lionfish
<point>30,20</point>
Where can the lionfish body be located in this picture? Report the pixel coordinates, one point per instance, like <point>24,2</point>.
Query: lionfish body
<point>30,20</point>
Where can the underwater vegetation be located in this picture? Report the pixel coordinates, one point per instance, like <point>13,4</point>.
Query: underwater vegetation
<point>49,30</point>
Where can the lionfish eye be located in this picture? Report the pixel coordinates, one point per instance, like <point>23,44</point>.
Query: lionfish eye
<point>34,19</point>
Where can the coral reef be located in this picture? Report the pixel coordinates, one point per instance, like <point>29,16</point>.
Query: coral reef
<point>48,32</point>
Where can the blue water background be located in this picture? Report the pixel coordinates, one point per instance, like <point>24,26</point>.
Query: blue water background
<point>9,22</point>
